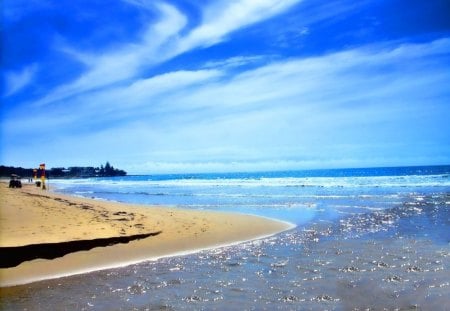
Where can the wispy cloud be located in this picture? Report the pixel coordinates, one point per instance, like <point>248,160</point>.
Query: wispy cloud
<point>237,61</point>
<point>294,111</point>
<point>161,41</point>
<point>144,4</point>
<point>224,17</point>
<point>17,80</point>
<point>123,63</point>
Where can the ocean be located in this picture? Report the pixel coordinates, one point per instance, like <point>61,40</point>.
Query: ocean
<point>366,238</point>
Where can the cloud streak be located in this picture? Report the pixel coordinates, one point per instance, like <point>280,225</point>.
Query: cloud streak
<point>162,41</point>
<point>16,81</point>
<point>124,63</point>
<point>223,18</point>
<point>290,111</point>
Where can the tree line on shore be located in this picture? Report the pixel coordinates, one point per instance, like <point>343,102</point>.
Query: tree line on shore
<point>61,172</point>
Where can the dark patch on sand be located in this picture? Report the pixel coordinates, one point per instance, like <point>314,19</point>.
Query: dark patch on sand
<point>14,256</point>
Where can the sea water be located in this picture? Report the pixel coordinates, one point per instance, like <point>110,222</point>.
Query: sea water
<point>364,239</point>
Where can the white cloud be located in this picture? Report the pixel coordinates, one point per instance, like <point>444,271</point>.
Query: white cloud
<point>143,97</point>
<point>162,41</point>
<point>365,103</point>
<point>123,63</point>
<point>15,81</point>
<point>236,61</point>
<point>225,17</point>
<point>145,4</point>
<point>351,104</point>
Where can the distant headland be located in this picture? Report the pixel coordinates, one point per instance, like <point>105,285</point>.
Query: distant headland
<point>106,170</point>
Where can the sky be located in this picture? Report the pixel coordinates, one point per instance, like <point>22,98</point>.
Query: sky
<point>225,85</point>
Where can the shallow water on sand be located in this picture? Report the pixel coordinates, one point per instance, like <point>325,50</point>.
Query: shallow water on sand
<point>360,257</point>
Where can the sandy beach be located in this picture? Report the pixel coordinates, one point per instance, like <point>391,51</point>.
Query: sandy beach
<point>33,217</point>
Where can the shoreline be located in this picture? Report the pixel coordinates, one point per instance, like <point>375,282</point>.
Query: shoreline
<point>33,216</point>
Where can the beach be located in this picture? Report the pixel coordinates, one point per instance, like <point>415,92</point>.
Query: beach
<point>364,239</point>
<point>32,216</point>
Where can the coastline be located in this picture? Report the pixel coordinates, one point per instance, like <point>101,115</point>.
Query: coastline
<point>32,216</point>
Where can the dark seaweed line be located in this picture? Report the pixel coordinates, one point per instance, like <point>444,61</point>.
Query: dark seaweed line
<point>14,256</point>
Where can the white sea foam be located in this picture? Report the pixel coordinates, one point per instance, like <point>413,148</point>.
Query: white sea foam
<point>321,182</point>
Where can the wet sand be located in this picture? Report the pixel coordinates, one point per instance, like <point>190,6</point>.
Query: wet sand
<point>31,217</point>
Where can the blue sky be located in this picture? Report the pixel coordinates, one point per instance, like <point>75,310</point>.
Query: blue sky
<point>199,86</point>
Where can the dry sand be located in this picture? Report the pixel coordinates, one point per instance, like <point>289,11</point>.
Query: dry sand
<point>31,215</point>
